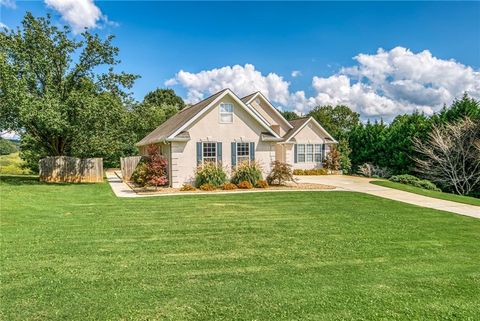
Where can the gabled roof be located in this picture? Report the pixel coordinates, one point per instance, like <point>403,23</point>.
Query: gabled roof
<point>178,122</point>
<point>248,99</point>
<point>299,123</point>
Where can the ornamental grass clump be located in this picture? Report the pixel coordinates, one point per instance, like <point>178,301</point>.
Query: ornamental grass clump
<point>247,171</point>
<point>207,187</point>
<point>210,173</point>
<point>261,184</point>
<point>187,188</point>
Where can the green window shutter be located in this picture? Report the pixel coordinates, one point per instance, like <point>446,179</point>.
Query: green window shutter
<point>295,153</point>
<point>199,153</point>
<point>234,154</point>
<point>252,151</point>
<point>219,152</point>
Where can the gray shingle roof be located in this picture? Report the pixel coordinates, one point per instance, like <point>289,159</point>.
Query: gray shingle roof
<point>176,121</point>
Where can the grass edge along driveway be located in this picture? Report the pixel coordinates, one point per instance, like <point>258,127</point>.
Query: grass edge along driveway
<point>76,252</point>
<point>434,194</point>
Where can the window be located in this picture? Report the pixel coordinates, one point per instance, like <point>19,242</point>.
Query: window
<point>309,153</point>
<point>243,152</point>
<point>226,113</point>
<point>209,152</point>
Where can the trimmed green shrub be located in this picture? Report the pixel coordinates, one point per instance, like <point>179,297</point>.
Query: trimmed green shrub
<point>313,171</point>
<point>414,181</point>
<point>210,173</point>
<point>207,187</point>
<point>7,147</point>
<point>298,172</point>
<point>247,171</point>
<point>245,185</point>
<point>229,186</point>
<point>139,175</point>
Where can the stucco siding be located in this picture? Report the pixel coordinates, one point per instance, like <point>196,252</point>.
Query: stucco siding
<point>310,134</point>
<point>208,128</point>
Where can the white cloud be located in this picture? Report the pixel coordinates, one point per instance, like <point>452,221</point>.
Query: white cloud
<point>80,14</point>
<point>296,73</point>
<point>8,3</point>
<point>383,84</point>
<point>243,80</point>
<point>2,25</point>
<point>10,135</point>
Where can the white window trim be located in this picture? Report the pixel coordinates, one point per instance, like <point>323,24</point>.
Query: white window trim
<point>236,152</point>
<point>220,113</point>
<point>216,151</point>
<point>305,153</point>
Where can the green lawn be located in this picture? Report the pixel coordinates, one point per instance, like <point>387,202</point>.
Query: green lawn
<point>426,192</point>
<point>75,252</point>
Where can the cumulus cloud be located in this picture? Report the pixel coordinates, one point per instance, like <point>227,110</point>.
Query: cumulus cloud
<point>243,80</point>
<point>80,14</point>
<point>8,3</point>
<point>296,73</point>
<point>383,84</point>
<point>2,25</point>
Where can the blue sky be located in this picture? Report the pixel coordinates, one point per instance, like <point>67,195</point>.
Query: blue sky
<point>318,40</point>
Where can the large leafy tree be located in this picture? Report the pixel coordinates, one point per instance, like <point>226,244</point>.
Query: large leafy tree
<point>338,120</point>
<point>460,108</point>
<point>367,142</point>
<point>51,86</point>
<point>156,107</point>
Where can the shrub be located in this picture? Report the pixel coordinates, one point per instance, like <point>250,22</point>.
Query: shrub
<point>414,181</point>
<point>298,172</point>
<point>245,185</point>
<point>139,175</point>
<point>187,187</point>
<point>207,187</point>
<point>281,173</point>
<point>314,171</point>
<point>229,186</point>
<point>247,171</point>
<point>210,173</point>
<point>7,147</point>
<point>152,169</point>
<point>262,184</point>
<point>332,161</point>
<point>370,170</point>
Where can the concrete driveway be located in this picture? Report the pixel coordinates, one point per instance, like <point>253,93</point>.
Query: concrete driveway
<point>362,185</point>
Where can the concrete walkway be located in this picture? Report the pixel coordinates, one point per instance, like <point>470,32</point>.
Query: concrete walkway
<point>362,184</point>
<point>119,188</point>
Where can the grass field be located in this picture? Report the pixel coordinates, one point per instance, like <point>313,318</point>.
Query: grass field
<point>425,192</point>
<point>75,252</point>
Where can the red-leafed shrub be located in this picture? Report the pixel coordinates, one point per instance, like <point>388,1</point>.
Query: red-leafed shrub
<point>245,185</point>
<point>153,169</point>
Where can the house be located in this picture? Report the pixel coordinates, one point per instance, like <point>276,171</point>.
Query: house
<point>228,130</point>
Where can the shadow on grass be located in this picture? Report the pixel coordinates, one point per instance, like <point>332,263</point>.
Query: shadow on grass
<point>18,180</point>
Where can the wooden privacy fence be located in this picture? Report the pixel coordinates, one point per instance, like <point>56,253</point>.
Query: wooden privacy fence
<point>71,169</point>
<point>128,165</point>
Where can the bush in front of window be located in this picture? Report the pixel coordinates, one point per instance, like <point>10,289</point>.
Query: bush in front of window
<point>210,173</point>
<point>332,161</point>
<point>247,171</point>
<point>187,188</point>
<point>261,184</point>
<point>245,185</point>
<point>281,173</point>
<point>207,187</point>
<point>229,186</point>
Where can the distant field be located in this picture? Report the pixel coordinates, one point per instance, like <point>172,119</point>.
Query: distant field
<point>10,164</point>
<point>425,192</point>
<point>76,252</point>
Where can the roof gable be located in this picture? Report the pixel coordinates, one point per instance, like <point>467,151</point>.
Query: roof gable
<point>177,123</point>
<point>300,123</point>
<point>248,99</point>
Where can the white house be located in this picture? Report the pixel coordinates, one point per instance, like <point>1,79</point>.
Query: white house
<point>226,129</point>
